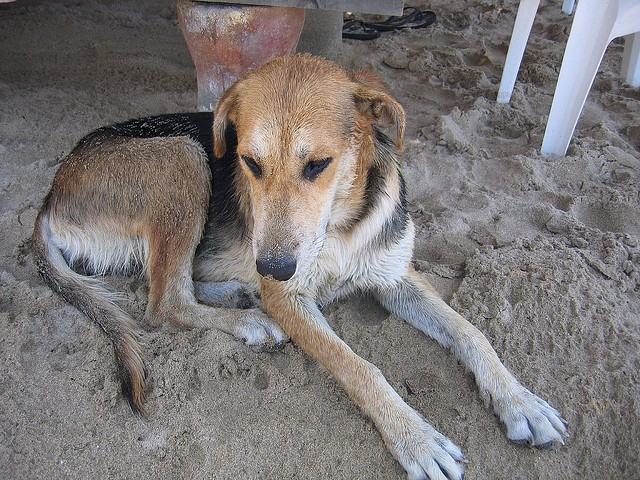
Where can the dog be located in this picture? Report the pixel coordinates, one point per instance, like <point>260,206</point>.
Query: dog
<point>292,190</point>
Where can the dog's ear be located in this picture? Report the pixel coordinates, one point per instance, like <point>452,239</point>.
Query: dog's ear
<point>375,103</point>
<point>224,114</point>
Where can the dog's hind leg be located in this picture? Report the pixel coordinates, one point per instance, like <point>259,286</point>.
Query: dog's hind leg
<point>529,419</point>
<point>229,294</point>
<point>172,296</point>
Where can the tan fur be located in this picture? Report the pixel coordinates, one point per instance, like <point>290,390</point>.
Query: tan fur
<point>321,201</point>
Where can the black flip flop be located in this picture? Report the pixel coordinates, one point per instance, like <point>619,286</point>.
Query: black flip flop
<point>357,30</point>
<point>416,18</point>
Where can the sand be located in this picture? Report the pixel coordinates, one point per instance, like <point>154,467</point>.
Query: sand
<point>542,255</point>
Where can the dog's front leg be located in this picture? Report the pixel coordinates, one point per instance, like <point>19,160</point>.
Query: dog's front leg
<point>529,419</point>
<point>422,451</point>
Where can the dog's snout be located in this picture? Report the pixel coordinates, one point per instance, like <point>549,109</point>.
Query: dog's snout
<point>280,268</point>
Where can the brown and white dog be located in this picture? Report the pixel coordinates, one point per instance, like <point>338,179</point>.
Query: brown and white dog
<point>290,190</point>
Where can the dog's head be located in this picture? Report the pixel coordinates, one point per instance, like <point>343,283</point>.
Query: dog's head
<point>306,136</point>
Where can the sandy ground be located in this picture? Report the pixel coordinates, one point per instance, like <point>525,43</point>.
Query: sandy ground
<point>542,255</point>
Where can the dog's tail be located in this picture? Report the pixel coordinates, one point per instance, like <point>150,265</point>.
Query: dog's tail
<point>90,296</point>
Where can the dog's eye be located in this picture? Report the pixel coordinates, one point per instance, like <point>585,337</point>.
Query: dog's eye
<point>252,165</point>
<point>315,168</point>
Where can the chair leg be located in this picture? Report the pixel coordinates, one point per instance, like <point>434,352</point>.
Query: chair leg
<point>582,57</point>
<point>631,60</point>
<point>521,30</point>
<point>567,6</point>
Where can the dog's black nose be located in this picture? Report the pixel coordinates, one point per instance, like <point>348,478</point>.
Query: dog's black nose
<point>281,269</point>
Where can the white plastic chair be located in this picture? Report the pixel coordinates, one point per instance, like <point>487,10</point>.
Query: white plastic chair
<point>596,23</point>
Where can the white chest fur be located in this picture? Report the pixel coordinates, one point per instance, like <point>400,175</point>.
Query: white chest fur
<point>355,263</point>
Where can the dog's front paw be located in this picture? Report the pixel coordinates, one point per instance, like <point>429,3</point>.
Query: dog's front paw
<point>530,420</point>
<point>260,331</point>
<point>423,451</point>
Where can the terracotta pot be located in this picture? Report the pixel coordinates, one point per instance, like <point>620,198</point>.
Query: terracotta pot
<point>228,41</point>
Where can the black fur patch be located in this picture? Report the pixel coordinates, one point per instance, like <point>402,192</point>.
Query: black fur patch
<point>224,209</point>
<point>197,125</point>
<point>396,225</point>
<point>376,192</point>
